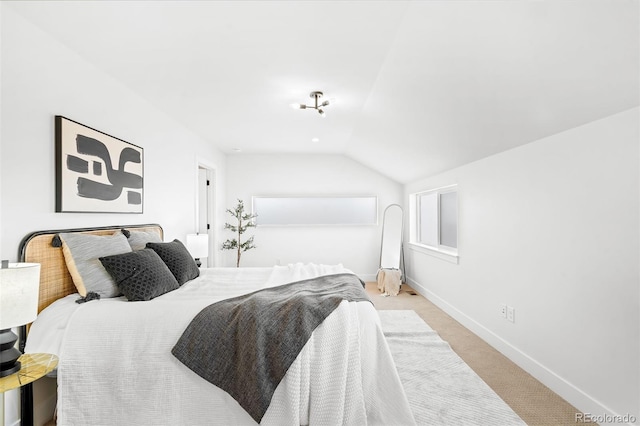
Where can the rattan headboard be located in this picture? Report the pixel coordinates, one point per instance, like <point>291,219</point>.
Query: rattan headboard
<point>55,281</point>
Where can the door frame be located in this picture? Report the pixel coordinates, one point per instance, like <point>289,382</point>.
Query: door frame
<point>211,176</point>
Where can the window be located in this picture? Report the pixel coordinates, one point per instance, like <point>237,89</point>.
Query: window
<point>304,211</point>
<point>434,221</point>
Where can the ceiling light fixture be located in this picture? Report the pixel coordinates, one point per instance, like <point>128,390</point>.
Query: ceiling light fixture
<point>316,95</point>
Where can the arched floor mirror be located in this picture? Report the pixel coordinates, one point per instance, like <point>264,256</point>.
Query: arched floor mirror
<point>391,252</point>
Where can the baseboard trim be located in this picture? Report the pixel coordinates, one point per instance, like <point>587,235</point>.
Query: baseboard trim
<point>572,394</point>
<point>367,277</point>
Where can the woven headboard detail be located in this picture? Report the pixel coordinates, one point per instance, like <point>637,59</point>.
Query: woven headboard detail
<point>55,280</point>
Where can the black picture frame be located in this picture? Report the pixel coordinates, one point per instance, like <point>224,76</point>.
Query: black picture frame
<point>96,172</point>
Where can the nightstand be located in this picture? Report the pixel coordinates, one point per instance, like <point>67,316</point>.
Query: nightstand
<point>34,366</point>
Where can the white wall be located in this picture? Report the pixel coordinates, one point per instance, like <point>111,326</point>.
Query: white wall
<point>41,78</point>
<point>356,247</point>
<point>10,413</point>
<point>552,229</point>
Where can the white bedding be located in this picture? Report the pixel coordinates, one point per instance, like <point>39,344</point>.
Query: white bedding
<point>116,365</point>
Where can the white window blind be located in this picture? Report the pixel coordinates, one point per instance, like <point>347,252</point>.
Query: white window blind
<point>282,211</point>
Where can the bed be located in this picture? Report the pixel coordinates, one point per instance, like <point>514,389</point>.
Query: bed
<point>118,362</point>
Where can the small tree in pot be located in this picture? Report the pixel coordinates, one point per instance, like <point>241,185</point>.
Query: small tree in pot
<point>244,221</point>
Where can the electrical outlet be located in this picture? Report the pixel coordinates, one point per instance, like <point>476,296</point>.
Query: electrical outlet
<point>503,310</point>
<point>511,313</point>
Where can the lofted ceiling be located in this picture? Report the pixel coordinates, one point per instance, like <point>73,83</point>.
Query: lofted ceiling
<point>416,87</point>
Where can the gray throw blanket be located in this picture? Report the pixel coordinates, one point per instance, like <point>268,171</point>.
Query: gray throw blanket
<point>246,344</point>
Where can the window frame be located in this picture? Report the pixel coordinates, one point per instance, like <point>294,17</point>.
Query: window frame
<point>336,210</point>
<point>439,250</point>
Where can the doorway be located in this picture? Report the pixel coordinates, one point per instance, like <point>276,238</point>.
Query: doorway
<point>205,210</point>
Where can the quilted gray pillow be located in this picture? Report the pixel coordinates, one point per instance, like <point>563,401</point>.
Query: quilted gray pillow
<point>176,256</point>
<point>81,253</point>
<point>140,275</point>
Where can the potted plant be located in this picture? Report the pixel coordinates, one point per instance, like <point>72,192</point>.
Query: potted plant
<point>243,221</point>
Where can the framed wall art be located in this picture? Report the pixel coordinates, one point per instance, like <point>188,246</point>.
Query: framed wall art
<point>96,172</point>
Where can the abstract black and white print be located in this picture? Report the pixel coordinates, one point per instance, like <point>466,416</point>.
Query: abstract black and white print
<point>96,172</point>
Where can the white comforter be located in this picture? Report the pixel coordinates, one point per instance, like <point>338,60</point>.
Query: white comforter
<point>116,366</point>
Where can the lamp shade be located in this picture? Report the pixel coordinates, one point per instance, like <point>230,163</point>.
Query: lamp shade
<point>198,245</point>
<point>19,289</point>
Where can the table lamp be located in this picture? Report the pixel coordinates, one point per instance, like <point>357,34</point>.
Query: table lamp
<point>19,288</point>
<point>198,246</point>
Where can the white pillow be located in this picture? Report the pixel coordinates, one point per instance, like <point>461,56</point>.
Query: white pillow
<point>81,253</point>
<point>139,239</point>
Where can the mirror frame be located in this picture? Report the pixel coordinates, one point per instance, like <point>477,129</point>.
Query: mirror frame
<point>401,247</point>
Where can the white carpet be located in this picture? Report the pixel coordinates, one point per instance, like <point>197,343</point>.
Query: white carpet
<point>442,389</point>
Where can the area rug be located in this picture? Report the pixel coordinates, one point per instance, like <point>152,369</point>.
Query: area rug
<point>442,389</point>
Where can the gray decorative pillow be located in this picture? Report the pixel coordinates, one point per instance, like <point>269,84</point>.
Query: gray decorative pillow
<point>140,275</point>
<point>139,239</point>
<point>178,259</point>
<point>81,253</point>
